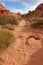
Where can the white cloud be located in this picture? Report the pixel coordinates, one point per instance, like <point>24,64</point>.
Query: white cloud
<point>30,5</point>
<point>19,11</point>
<point>35,5</point>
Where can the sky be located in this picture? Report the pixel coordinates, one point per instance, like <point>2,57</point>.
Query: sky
<point>22,6</point>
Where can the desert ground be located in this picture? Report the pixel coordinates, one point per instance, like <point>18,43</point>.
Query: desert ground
<point>27,48</point>
<point>21,37</point>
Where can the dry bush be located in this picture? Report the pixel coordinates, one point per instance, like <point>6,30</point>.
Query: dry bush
<point>5,39</point>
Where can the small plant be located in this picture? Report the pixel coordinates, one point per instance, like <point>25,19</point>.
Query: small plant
<point>7,20</point>
<point>5,39</point>
<point>37,23</point>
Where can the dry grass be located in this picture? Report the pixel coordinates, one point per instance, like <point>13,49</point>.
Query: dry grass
<point>37,22</point>
<point>5,39</point>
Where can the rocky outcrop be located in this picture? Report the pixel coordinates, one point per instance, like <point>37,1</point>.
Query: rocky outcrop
<point>3,10</point>
<point>38,12</point>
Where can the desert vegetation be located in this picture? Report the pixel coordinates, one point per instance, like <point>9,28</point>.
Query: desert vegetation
<point>37,22</point>
<point>5,39</point>
<point>7,20</point>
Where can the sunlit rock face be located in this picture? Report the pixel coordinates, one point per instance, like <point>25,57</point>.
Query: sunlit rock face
<point>38,12</point>
<point>3,10</point>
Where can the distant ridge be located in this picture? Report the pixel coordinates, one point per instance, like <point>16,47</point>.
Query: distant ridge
<point>2,7</point>
<point>38,12</point>
<point>5,11</point>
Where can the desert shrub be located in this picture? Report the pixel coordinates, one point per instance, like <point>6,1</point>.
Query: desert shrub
<point>12,20</point>
<point>7,20</point>
<point>37,23</point>
<point>5,39</point>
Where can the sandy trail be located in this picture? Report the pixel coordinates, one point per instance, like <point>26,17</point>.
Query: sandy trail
<point>20,52</point>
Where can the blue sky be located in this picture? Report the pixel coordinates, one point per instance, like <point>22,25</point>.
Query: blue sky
<point>22,6</point>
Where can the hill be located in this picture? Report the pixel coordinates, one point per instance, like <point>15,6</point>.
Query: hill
<point>5,11</point>
<point>38,12</point>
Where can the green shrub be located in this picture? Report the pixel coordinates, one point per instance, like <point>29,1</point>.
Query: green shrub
<point>37,23</point>
<point>5,39</point>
